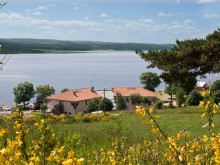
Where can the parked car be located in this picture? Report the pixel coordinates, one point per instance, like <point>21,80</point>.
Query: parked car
<point>1,108</point>
<point>8,108</point>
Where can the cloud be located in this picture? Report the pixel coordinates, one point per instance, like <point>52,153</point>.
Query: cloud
<point>162,14</point>
<point>103,15</point>
<point>76,8</point>
<point>37,13</point>
<point>205,1</point>
<point>211,15</point>
<point>42,8</point>
<point>147,21</point>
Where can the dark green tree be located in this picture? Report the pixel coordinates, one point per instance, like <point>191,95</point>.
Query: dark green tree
<point>150,80</point>
<point>186,60</point>
<point>180,96</point>
<point>120,102</point>
<point>43,91</point>
<point>64,90</point>
<point>215,89</point>
<point>105,104</point>
<point>23,93</point>
<point>92,105</point>
<point>194,98</point>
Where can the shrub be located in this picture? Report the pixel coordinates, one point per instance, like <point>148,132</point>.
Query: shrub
<point>120,102</point>
<point>92,105</point>
<point>180,97</point>
<point>159,104</point>
<point>194,98</point>
<point>105,104</point>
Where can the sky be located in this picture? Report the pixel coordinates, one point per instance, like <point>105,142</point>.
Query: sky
<point>140,21</point>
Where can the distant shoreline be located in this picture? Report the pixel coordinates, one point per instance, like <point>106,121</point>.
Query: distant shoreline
<point>24,46</point>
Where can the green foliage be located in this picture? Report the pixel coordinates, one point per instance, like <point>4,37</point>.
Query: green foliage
<point>105,104</point>
<point>159,104</point>
<point>138,99</point>
<point>43,91</point>
<point>23,92</point>
<point>215,88</point>
<point>180,97</point>
<point>186,60</point>
<point>150,80</point>
<point>92,105</point>
<point>120,102</point>
<point>194,98</point>
<point>64,90</point>
<point>135,99</point>
<point>171,90</point>
<point>43,107</point>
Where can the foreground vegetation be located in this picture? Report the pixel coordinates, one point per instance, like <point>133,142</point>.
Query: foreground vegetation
<point>117,138</point>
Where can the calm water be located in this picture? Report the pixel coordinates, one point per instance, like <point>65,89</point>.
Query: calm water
<point>76,70</point>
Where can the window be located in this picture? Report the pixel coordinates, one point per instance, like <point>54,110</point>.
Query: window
<point>127,99</point>
<point>61,102</point>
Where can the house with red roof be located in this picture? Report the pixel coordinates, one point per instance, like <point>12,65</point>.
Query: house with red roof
<point>73,101</point>
<point>126,92</point>
<point>201,86</point>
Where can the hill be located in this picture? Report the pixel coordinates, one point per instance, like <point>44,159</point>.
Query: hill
<point>13,46</point>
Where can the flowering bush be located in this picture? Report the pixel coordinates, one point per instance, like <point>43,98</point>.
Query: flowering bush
<point>18,148</point>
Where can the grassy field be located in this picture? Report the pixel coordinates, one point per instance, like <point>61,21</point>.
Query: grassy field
<point>87,136</point>
<point>96,135</point>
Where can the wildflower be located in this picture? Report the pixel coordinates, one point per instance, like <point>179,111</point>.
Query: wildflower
<point>204,93</point>
<point>154,130</point>
<point>151,110</point>
<point>68,162</point>
<point>80,161</point>
<point>201,103</point>
<point>205,139</point>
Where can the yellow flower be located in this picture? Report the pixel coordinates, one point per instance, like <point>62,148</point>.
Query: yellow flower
<point>157,116</point>
<point>68,162</point>
<point>205,139</point>
<point>204,93</point>
<point>154,130</point>
<point>151,110</point>
<point>61,150</point>
<point>80,161</point>
<point>201,103</point>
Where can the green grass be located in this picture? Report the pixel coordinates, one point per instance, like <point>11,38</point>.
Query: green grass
<point>85,138</point>
<point>98,135</point>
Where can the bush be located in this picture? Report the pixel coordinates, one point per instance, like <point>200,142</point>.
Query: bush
<point>92,105</point>
<point>159,104</point>
<point>180,99</point>
<point>105,105</point>
<point>194,98</point>
<point>120,102</point>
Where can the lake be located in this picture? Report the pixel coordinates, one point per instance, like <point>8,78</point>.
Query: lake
<point>74,70</point>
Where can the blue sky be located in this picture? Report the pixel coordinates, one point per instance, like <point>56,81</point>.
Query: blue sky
<point>141,21</point>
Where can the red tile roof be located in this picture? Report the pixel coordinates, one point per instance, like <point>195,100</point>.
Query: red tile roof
<point>127,91</point>
<point>75,95</point>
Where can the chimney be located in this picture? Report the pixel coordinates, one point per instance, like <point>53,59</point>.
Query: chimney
<point>92,89</point>
<point>74,93</point>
